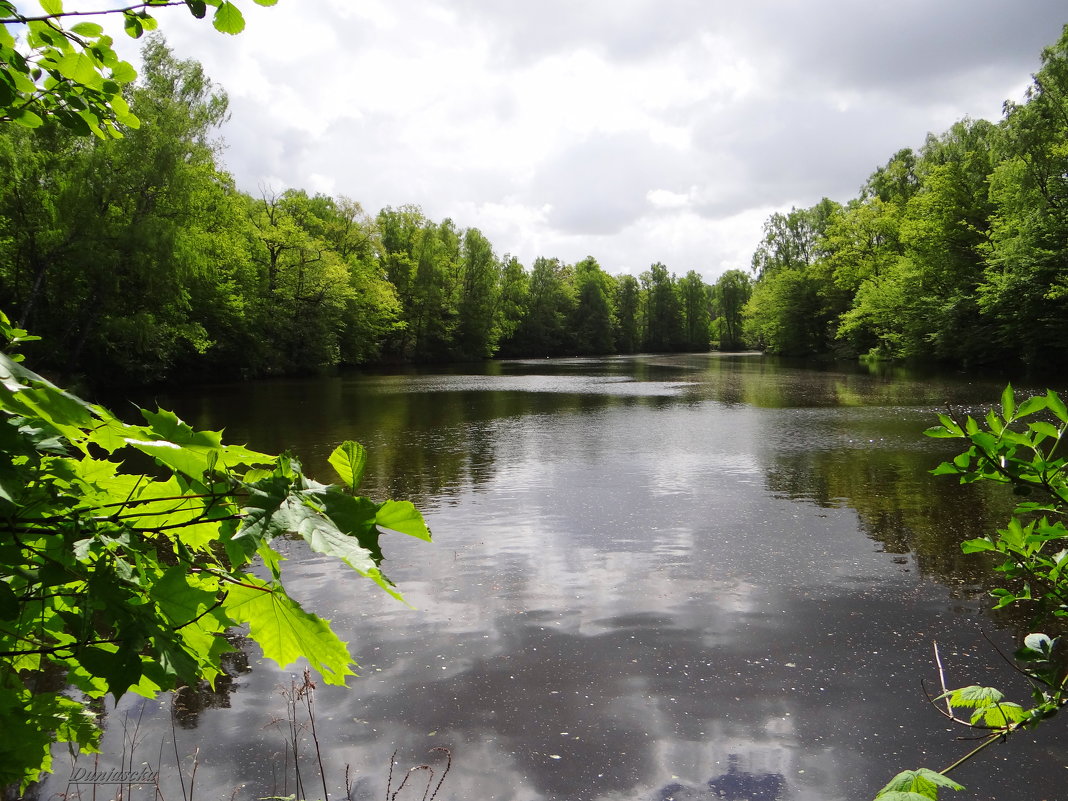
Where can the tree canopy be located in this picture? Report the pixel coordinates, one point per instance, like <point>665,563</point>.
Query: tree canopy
<point>954,251</point>
<point>71,74</point>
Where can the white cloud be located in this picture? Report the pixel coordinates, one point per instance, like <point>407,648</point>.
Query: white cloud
<point>632,130</point>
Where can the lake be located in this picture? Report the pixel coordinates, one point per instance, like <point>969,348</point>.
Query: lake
<point>653,577</point>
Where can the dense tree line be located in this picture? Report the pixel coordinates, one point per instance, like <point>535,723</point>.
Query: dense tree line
<point>137,259</point>
<point>957,251</point>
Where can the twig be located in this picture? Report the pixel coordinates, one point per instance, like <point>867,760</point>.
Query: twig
<point>942,680</point>
<point>308,689</point>
<point>448,766</point>
<point>408,775</point>
<point>990,738</point>
<point>389,779</point>
<point>19,18</point>
<point>174,741</point>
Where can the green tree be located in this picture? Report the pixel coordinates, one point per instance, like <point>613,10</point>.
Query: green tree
<point>695,305</point>
<point>1023,295</point>
<point>662,329</point>
<point>794,308</point>
<point>422,260</point>
<point>511,300</point>
<point>477,329</point>
<point>124,233</point>
<point>549,309</point>
<point>793,240</point>
<point>922,302</point>
<point>307,288</point>
<point>729,296</point>
<point>593,319</point>
<point>783,316</point>
<point>628,314</point>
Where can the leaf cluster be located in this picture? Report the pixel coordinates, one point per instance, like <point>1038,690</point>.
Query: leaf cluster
<point>1017,445</point>
<point>1020,447</point>
<point>72,74</point>
<point>114,581</point>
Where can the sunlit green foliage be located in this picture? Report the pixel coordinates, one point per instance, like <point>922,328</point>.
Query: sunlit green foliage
<point>593,317</point>
<point>72,75</point>
<point>114,581</point>
<point>695,302</point>
<point>953,252</point>
<point>729,295</point>
<point>1017,446</point>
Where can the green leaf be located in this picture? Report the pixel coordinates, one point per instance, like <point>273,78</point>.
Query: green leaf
<point>1056,405</point>
<point>79,68</point>
<point>984,440</point>
<point>228,18</point>
<point>1046,429</point>
<point>123,72</point>
<point>265,2</point>
<point>349,459</point>
<point>922,783</point>
<point>326,538</point>
<point>402,516</point>
<point>995,425</point>
<point>132,25</point>
<point>9,602</point>
<point>119,667</point>
<point>52,7</point>
<point>1035,403</point>
<point>27,119</point>
<point>183,597</point>
<point>941,432</point>
<point>973,697</point>
<point>90,29</point>
<point>285,632</point>
<point>1001,715</point>
<point>1008,403</point>
<point>197,8</point>
<point>977,545</point>
<point>946,469</point>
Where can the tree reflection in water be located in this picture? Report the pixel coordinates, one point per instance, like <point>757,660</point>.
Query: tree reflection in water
<point>734,785</point>
<point>189,702</point>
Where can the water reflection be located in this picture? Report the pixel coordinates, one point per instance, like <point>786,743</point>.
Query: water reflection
<point>685,576</point>
<point>734,785</point>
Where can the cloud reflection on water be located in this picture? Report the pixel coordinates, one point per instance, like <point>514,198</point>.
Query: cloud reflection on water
<point>670,582</point>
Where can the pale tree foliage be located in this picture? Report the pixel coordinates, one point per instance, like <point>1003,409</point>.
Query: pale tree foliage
<point>61,64</point>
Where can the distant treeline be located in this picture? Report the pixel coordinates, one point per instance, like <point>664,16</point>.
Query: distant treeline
<point>138,260</point>
<point>955,252</point>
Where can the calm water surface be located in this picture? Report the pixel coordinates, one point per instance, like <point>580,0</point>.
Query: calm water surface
<point>685,577</point>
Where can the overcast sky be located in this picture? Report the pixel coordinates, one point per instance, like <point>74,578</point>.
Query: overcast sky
<point>631,130</point>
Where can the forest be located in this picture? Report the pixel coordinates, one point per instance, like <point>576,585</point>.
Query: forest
<point>138,260</point>
<point>955,252</point>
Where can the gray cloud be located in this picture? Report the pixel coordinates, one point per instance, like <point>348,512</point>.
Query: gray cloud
<point>468,108</point>
<point>600,185</point>
<point>902,45</point>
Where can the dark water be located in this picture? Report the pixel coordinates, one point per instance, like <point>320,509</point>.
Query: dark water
<point>691,577</point>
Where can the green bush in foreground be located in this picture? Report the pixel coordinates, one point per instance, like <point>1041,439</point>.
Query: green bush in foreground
<point>114,580</point>
<point>1018,447</point>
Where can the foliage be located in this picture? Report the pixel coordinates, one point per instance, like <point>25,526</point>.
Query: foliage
<point>1017,446</point>
<point>72,74</point>
<point>952,252</point>
<point>114,580</point>
<point>729,296</point>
